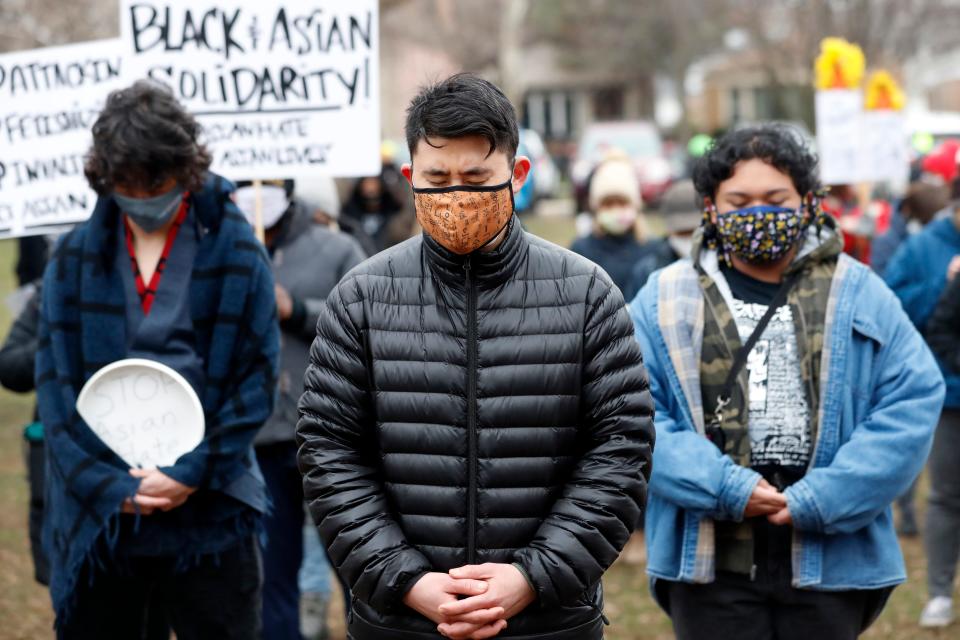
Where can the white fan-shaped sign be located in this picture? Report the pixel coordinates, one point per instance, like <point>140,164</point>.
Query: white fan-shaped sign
<point>143,410</point>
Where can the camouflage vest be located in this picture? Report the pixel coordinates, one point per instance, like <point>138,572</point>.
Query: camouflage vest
<point>721,342</point>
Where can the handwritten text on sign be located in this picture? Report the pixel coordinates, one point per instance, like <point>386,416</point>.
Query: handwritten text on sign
<point>49,100</point>
<point>856,145</point>
<point>283,89</point>
<point>839,138</point>
<point>146,417</point>
<point>886,147</point>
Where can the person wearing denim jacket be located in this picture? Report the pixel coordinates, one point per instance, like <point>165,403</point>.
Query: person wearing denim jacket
<point>880,393</point>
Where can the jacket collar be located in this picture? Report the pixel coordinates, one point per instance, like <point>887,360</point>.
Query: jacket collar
<point>491,268</point>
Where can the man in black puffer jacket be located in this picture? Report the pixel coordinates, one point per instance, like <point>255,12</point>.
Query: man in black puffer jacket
<point>476,429</point>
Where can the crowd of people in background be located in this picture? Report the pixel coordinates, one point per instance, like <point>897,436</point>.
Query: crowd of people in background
<point>460,419</point>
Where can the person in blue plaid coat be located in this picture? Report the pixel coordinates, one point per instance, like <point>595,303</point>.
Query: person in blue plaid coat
<point>167,269</point>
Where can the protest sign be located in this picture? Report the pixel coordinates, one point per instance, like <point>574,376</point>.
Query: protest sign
<point>49,100</point>
<point>839,136</point>
<point>282,89</point>
<point>886,147</point>
<point>146,412</point>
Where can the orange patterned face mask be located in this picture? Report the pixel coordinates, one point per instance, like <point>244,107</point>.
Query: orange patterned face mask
<point>463,218</point>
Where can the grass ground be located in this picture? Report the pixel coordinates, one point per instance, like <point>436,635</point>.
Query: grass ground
<point>24,606</point>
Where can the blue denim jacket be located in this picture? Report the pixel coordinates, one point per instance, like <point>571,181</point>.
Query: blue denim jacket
<point>881,396</point>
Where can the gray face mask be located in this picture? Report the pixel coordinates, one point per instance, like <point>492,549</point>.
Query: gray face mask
<point>151,214</point>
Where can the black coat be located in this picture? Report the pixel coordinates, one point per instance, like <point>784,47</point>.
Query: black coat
<point>614,254</point>
<point>943,329</point>
<point>19,350</point>
<point>469,410</point>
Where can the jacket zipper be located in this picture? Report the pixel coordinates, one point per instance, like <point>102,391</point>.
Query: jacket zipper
<point>471,413</point>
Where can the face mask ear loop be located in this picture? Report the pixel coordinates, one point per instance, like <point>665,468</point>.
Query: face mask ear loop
<point>513,211</point>
<point>816,199</point>
<point>711,236</point>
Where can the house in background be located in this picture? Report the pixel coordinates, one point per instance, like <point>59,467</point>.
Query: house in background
<point>740,86</point>
<point>554,100</point>
<point>559,102</point>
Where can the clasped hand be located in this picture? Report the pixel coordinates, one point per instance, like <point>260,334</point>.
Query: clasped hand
<point>157,490</point>
<point>491,594</point>
<point>767,501</point>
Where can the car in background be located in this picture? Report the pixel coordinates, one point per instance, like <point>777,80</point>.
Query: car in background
<point>545,172</point>
<point>639,140</point>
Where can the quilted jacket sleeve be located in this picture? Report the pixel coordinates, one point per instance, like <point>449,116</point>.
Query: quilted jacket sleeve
<point>338,459</point>
<point>603,498</point>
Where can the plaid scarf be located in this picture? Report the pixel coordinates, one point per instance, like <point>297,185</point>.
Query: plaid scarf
<point>721,342</point>
<point>83,328</point>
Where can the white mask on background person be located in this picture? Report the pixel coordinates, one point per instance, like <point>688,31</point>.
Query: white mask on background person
<point>273,199</point>
<point>681,245</point>
<point>617,221</point>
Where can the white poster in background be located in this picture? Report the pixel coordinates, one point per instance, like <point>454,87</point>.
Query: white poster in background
<point>839,136</point>
<point>886,147</point>
<point>49,100</point>
<point>286,89</point>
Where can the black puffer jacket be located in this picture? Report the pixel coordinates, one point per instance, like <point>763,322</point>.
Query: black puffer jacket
<point>468,410</point>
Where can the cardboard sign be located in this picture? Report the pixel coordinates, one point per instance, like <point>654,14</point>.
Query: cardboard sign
<point>146,412</point>
<point>839,137</point>
<point>49,100</point>
<point>886,147</point>
<point>282,89</point>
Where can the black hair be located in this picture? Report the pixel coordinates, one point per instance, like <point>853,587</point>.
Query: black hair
<point>780,146</point>
<point>142,138</point>
<point>463,105</point>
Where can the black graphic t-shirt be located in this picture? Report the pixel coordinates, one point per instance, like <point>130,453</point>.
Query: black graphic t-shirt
<point>779,413</point>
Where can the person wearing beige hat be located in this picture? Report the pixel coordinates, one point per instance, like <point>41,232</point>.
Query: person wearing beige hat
<point>615,203</point>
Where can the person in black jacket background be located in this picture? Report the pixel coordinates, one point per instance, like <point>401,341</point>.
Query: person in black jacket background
<point>476,428</point>
<point>16,374</point>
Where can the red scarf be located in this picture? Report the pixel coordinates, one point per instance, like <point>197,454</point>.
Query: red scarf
<point>148,291</point>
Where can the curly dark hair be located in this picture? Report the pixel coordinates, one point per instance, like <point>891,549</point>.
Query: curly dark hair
<point>142,138</point>
<point>778,145</point>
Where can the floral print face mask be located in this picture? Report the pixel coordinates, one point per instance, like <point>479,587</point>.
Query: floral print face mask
<point>761,234</point>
